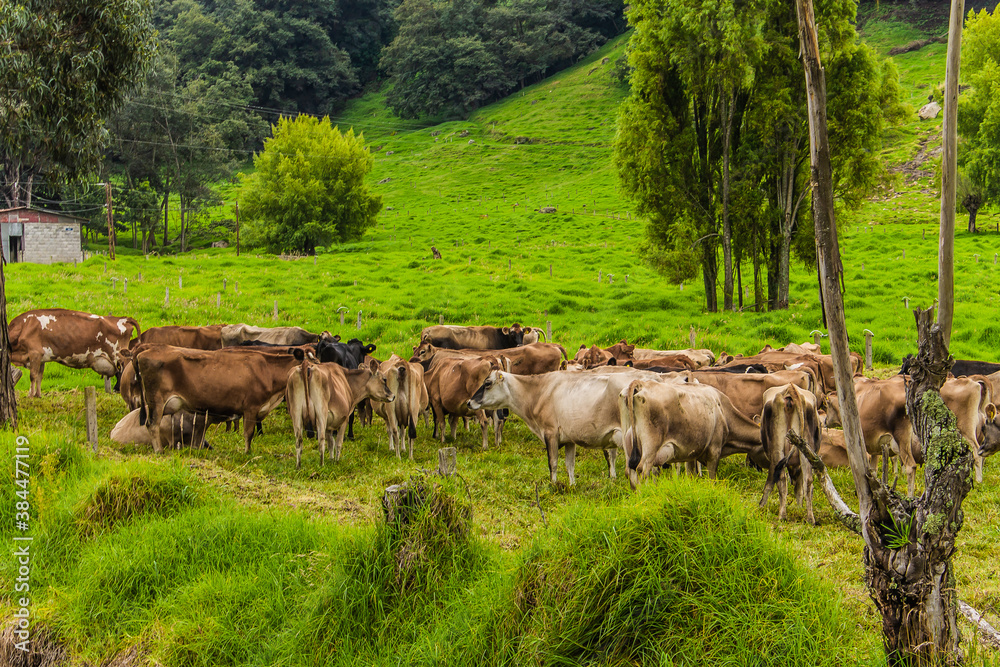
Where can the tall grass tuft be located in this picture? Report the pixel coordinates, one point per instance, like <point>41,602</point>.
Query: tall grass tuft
<point>120,498</point>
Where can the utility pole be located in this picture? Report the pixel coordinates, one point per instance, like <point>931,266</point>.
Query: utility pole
<point>111,228</point>
<point>237,229</point>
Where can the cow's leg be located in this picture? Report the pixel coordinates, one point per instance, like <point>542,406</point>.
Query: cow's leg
<point>107,385</point>
<point>465,424</point>
<point>453,420</point>
<point>571,462</point>
<point>340,440</point>
<point>692,468</point>
<point>977,463</point>
<point>783,493</point>
<point>484,424</point>
<point>610,455</point>
<point>713,465</point>
<point>249,427</point>
<point>36,370</point>
<point>350,427</point>
<point>552,448</point>
<point>807,475</point>
<point>391,428</point>
<point>768,484</point>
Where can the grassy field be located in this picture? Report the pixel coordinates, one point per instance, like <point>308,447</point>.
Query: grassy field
<point>217,557</point>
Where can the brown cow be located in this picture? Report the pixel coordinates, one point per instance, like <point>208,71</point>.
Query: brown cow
<point>406,381</point>
<point>620,352</point>
<point>701,357</point>
<point>531,359</point>
<point>832,449</point>
<point>182,429</point>
<point>71,338</point>
<point>325,395</point>
<point>789,408</point>
<point>244,382</point>
<point>196,338</point>
<point>675,362</point>
<point>746,390</point>
<point>675,422</point>
<point>451,382</point>
<point>455,337</point>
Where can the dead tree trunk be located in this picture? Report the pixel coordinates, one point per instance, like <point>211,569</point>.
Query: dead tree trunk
<point>8,399</point>
<point>908,542</point>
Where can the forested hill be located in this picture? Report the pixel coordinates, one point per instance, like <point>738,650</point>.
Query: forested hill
<point>439,55</point>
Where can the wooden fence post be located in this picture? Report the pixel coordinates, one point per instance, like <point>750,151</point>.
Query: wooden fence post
<point>218,300</point>
<point>90,407</point>
<point>548,330</point>
<point>359,319</point>
<point>550,270</point>
<point>180,282</point>
<point>166,299</point>
<point>868,349</point>
<point>125,287</point>
<point>691,336</point>
<point>440,319</point>
<point>275,316</point>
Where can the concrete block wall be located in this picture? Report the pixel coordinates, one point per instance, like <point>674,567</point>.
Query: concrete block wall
<point>47,242</point>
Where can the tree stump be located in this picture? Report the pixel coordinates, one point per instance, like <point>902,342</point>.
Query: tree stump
<point>447,461</point>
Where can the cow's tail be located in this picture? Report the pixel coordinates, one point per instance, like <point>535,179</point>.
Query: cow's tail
<point>135,324</point>
<point>142,393</point>
<point>630,438</point>
<point>413,394</point>
<point>565,356</point>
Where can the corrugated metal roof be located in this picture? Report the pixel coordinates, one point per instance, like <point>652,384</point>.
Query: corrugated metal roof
<point>42,210</point>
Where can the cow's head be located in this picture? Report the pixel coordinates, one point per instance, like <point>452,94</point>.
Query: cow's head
<point>377,387</point>
<point>990,443</point>
<point>423,353</point>
<point>832,404</point>
<point>492,395</point>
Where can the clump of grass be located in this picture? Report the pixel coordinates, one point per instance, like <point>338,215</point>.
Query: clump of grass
<point>120,498</point>
<point>686,574</point>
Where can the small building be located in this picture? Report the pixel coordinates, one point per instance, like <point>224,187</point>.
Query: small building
<point>36,235</point>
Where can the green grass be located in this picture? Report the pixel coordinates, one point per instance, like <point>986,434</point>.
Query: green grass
<point>218,557</point>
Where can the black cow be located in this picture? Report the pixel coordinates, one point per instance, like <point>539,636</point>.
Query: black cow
<point>735,368</point>
<point>962,367</point>
<point>473,338</point>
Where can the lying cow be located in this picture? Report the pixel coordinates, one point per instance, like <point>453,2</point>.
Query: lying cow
<point>325,395</point>
<point>789,409</point>
<point>71,338</point>
<point>700,357</point>
<point>672,422</point>
<point>235,334</point>
<point>406,381</point>
<point>234,381</point>
<point>477,338</point>
<point>182,429</point>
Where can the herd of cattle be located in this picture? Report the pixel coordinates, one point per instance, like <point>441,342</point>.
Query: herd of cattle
<point>657,406</point>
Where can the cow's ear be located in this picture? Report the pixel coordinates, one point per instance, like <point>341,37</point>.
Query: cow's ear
<point>373,365</point>
<point>991,411</point>
<point>612,362</point>
<point>369,348</point>
<point>297,353</point>
<point>505,330</point>
<point>630,364</point>
<point>756,420</point>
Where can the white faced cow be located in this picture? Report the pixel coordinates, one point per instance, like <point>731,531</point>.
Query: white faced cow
<point>71,338</point>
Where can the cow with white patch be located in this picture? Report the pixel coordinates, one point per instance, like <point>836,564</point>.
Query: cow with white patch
<point>71,338</point>
<point>789,409</point>
<point>675,422</point>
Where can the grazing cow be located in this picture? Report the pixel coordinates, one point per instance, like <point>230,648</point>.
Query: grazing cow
<point>235,334</point>
<point>71,338</point>
<point>962,367</point>
<point>701,357</point>
<point>671,422</point>
<point>789,409</point>
<point>325,395</point>
<point>677,362</point>
<point>562,409</point>
<point>451,382</point>
<point>531,359</point>
<point>832,449</point>
<point>237,381</point>
<point>182,429</point>
<point>197,338</point>
<point>474,338</point>
<point>406,381</point>
<point>746,390</point>
<point>882,408</point>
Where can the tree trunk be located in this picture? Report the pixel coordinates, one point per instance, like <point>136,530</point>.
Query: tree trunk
<point>784,259</point>
<point>972,218</point>
<point>166,218</point>
<point>739,280</point>
<point>727,110</point>
<point>8,399</point>
<point>709,271</point>
<point>949,171</point>
<point>908,543</point>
